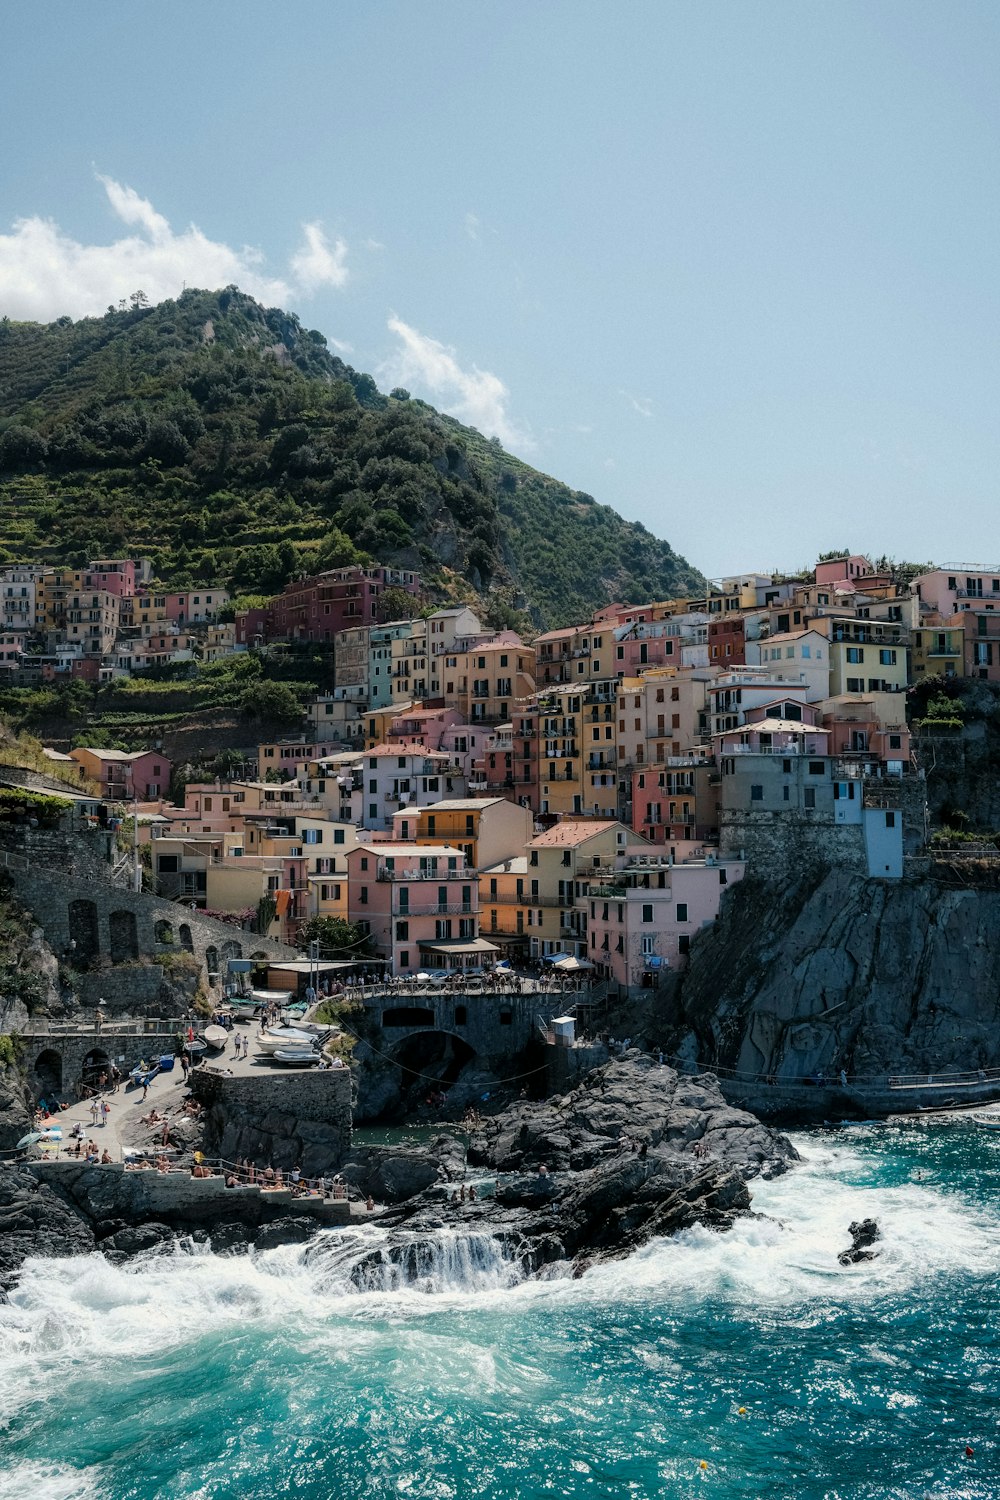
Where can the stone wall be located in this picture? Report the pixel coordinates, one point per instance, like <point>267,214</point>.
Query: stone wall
<point>287,1119</point>
<point>109,1194</point>
<point>54,1058</point>
<point>89,920</point>
<point>790,841</point>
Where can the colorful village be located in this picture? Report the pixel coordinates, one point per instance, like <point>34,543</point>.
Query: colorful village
<point>467,798</point>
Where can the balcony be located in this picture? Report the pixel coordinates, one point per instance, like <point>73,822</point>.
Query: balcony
<point>442,877</point>
<point>432,909</point>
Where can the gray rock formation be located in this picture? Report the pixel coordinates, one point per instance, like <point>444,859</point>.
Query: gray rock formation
<point>35,1220</point>
<point>635,1152</point>
<point>834,971</point>
<point>15,1116</point>
<point>864,1233</point>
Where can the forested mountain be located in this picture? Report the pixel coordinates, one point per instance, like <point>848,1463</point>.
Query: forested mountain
<point>225,441</point>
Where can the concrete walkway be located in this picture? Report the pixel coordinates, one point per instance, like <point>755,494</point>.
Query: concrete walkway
<point>126,1108</point>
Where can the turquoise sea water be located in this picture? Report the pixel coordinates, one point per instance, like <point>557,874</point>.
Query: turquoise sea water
<point>193,1375</point>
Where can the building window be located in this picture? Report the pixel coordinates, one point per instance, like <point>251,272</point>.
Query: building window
<point>647,912</point>
<point>756,794</point>
<point>682,911</point>
<point>890,820</point>
<point>817,768</point>
<point>887,658</point>
<point>855,655</point>
<point>648,944</point>
<point>809,797</point>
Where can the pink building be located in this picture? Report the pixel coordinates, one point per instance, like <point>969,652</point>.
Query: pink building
<point>419,903</point>
<point>641,645</point>
<point>676,801</point>
<point>422,726</point>
<point>199,606</point>
<point>642,916</point>
<point>115,575</point>
<point>846,569</point>
<point>144,774</point>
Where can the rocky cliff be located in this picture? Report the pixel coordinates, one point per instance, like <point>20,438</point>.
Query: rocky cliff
<point>831,971</point>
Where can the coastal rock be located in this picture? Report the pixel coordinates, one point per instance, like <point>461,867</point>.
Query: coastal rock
<point>289,1231</point>
<point>138,1237</point>
<point>35,1220</point>
<point>395,1174</point>
<point>629,1103</point>
<point>15,1116</point>
<point>826,970</point>
<point>863,1232</point>
<point>634,1152</point>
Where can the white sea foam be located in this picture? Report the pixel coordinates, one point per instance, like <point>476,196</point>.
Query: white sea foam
<point>785,1259</point>
<point>47,1482</point>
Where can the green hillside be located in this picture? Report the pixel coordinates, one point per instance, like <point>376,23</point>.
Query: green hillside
<point>225,441</point>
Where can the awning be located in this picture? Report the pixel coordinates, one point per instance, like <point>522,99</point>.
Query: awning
<point>240,965</point>
<point>460,945</point>
<point>555,958</point>
<point>569,964</point>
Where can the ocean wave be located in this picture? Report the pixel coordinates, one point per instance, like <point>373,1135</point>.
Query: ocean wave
<point>43,1481</point>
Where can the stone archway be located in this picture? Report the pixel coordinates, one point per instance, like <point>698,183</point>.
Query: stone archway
<point>429,1058</point>
<point>84,933</point>
<point>94,1064</point>
<point>48,1073</point>
<point>187,941</point>
<point>212,964</point>
<point>124,938</point>
<point>164,933</point>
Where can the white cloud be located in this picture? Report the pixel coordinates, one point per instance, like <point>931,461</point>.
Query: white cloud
<point>45,273</point>
<point>472,225</point>
<point>474,396</point>
<point>341,346</point>
<point>373,245</point>
<point>642,404</point>
<point>319,263</point>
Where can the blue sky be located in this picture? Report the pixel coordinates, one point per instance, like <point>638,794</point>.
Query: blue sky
<point>729,267</point>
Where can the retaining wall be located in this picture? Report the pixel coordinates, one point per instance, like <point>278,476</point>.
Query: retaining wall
<point>290,1119</point>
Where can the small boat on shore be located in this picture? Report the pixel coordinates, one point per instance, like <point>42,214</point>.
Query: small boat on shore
<point>271,1038</point>
<point>296,1057</point>
<point>216,1036</point>
<point>990,1120</point>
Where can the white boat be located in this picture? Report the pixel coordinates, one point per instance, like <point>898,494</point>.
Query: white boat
<point>296,1057</point>
<point>245,1010</point>
<point>216,1036</point>
<point>272,1038</point>
<point>990,1120</point>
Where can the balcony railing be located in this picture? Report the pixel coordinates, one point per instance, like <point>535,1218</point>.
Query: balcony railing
<point>432,909</point>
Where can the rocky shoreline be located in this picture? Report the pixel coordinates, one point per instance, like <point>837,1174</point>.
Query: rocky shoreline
<point>634,1152</point>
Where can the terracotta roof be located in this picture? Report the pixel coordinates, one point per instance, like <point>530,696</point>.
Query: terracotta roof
<point>567,834</point>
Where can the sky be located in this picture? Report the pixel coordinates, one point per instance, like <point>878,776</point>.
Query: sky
<point>730,268</point>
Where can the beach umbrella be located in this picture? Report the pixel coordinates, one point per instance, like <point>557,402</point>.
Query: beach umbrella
<point>51,1133</point>
<point>28,1140</point>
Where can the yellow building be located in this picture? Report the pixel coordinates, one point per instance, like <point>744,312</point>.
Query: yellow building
<point>558,861</point>
<point>486,829</point>
<point>484,682</point>
<point>560,729</point>
<point>503,906</point>
<point>939,650</point>
<point>865,656</point>
<point>409,664</point>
